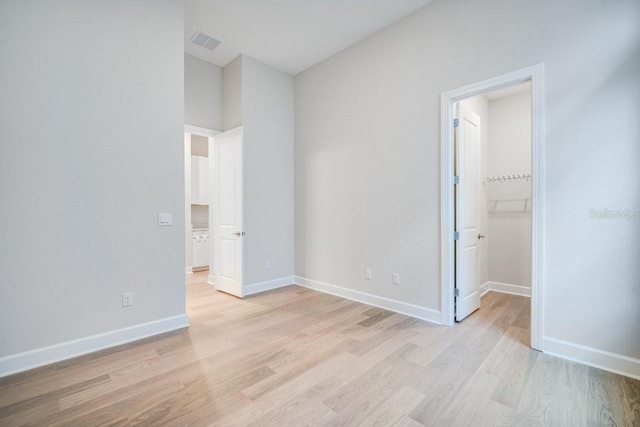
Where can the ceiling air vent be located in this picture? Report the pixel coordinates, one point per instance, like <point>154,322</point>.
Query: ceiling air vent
<point>204,40</point>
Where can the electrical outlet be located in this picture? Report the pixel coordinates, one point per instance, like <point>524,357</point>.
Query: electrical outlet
<point>267,264</point>
<point>396,278</point>
<point>367,274</point>
<point>127,299</point>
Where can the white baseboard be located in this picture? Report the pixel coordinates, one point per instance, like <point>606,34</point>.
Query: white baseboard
<point>188,270</point>
<point>67,350</point>
<point>412,310</point>
<point>268,285</point>
<point>590,356</point>
<point>506,288</point>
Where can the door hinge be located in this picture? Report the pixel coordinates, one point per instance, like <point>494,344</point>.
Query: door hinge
<point>456,235</point>
<point>456,179</point>
<point>456,292</point>
<point>455,123</point>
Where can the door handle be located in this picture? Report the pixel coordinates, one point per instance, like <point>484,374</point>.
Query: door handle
<point>239,233</point>
<point>481,236</point>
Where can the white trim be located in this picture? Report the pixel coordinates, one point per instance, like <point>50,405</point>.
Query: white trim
<point>67,350</point>
<point>197,130</point>
<point>188,270</point>
<point>484,288</point>
<point>506,288</point>
<point>537,207</point>
<point>612,362</point>
<point>534,73</point>
<point>268,285</point>
<point>412,310</point>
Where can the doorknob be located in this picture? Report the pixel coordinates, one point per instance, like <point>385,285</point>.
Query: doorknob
<point>481,236</point>
<point>239,233</point>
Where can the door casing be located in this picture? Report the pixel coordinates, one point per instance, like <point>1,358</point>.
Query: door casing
<point>535,74</point>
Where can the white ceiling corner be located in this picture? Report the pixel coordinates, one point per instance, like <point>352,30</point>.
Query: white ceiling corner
<point>290,35</point>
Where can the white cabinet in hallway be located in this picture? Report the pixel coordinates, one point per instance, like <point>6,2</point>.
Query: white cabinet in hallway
<point>199,180</point>
<point>200,249</point>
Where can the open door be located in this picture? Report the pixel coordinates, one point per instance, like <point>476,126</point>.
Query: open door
<point>467,278</point>
<point>228,241</point>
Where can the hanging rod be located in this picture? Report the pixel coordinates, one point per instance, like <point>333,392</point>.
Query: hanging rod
<point>503,178</point>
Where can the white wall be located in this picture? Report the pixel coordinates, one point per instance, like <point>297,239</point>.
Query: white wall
<point>267,117</point>
<point>202,93</point>
<point>368,159</point>
<point>199,145</point>
<point>92,111</point>
<point>199,215</point>
<point>232,94</point>
<point>260,98</point>
<point>509,207</point>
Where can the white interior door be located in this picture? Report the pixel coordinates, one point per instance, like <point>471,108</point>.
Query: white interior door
<point>228,212</point>
<point>187,204</point>
<point>467,141</point>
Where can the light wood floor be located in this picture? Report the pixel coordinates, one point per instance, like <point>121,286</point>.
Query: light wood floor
<point>298,357</point>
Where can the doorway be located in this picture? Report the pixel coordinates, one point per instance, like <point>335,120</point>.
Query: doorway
<point>461,258</point>
<point>214,236</point>
<point>198,197</point>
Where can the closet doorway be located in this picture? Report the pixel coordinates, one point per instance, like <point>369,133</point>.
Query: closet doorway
<point>492,203</point>
<point>491,194</point>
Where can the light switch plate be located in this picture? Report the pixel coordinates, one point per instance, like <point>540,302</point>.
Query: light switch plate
<point>164,219</point>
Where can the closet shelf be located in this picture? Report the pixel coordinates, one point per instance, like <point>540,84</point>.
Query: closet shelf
<point>505,178</point>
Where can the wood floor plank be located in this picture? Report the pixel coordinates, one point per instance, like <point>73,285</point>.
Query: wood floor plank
<point>301,364</point>
<point>474,407</point>
<point>407,421</point>
<point>356,411</point>
<point>293,356</point>
<point>448,373</point>
<point>608,401</point>
<point>376,340</point>
<point>113,407</point>
<point>514,374</point>
<point>295,414</point>
<point>85,370</point>
<point>543,386</point>
<point>394,408</point>
<point>394,368</point>
<point>44,404</point>
<point>302,388</point>
<point>630,398</point>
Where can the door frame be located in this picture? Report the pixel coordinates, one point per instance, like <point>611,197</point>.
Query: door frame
<point>535,74</point>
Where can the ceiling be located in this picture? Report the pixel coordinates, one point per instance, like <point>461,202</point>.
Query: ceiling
<point>290,35</point>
